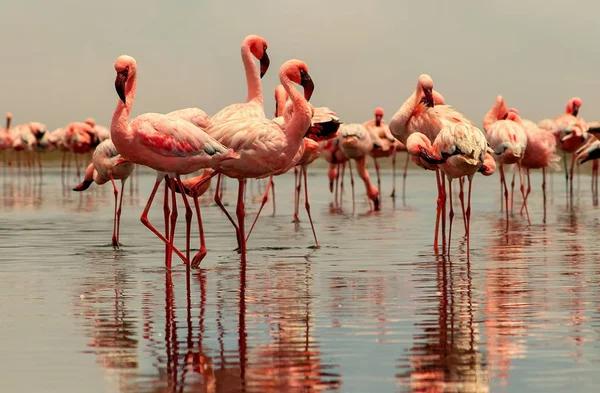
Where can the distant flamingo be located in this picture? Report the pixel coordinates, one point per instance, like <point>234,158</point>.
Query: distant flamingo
<point>424,111</point>
<point>165,144</point>
<point>539,153</point>
<point>383,144</point>
<point>101,132</point>
<point>265,148</point>
<point>508,140</point>
<point>80,138</point>
<point>108,165</point>
<point>570,133</point>
<point>5,139</point>
<point>463,146</point>
<point>356,144</point>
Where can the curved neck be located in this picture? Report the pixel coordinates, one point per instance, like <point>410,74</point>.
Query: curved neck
<point>493,115</point>
<point>252,76</point>
<point>120,121</point>
<point>8,120</point>
<point>298,124</point>
<point>399,122</point>
<point>280,101</point>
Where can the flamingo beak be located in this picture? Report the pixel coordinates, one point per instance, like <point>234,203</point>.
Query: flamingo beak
<point>590,155</point>
<point>84,185</point>
<point>428,97</point>
<point>430,158</point>
<point>307,83</point>
<point>120,84</point>
<point>575,110</point>
<point>264,63</point>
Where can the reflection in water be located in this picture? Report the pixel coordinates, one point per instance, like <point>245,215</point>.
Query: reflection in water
<point>445,356</point>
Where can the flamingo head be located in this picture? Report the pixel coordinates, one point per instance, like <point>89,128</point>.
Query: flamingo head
<point>378,116</point>
<point>258,47</point>
<point>419,145</point>
<point>38,129</point>
<point>438,99</point>
<point>513,115</point>
<point>91,122</point>
<point>8,120</point>
<point>126,68</point>
<point>425,84</point>
<point>297,72</point>
<point>500,107</point>
<point>573,106</point>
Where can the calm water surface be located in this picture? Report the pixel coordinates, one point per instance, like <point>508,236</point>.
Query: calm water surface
<point>373,310</point>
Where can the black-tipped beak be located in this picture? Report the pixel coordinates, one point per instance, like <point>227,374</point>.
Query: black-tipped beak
<point>428,97</point>
<point>307,84</point>
<point>84,185</point>
<point>429,158</point>
<point>591,155</point>
<point>264,63</point>
<point>120,84</point>
<point>575,110</point>
<point>594,130</point>
<point>505,116</point>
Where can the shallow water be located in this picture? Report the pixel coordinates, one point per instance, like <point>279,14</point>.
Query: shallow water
<point>373,310</point>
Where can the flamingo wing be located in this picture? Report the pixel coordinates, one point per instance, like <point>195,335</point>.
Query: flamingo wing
<point>173,137</point>
<point>248,133</point>
<point>196,116</point>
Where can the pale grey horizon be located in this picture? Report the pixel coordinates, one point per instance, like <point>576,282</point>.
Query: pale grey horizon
<point>58,60</point>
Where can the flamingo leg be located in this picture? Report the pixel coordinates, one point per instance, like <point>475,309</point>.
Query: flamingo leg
<point>503,178</point>
<point>404,177</point>
<point>167,214</point>
<point>393,194</point>
<point>523,194</point>
<point>461,197</point>
<point>501,195</point>
<point>307,205</point>
<point>544,191</point>
<point>147,224</point>
<point>240,211</point>
<point>119,210</point>
<point>526,192</point>
<point>512,193</point>
<point>566,170</point>
<point>337,177</point>
<point>342,185</point>
<point>450,214</point>
<point>377,173</point>
<point>468,213</point>
<point>351,184</point>
<point>115,242</point>
<point>438,210</point>
<point>273,194</point>
<point>174,215</point>
<point>188,218</point>
<point>572,169</point>
<point>297,183</point>
<point>219,202</point>
<point>443,215</point>
<point>202,253</point>
<point>264,201</point>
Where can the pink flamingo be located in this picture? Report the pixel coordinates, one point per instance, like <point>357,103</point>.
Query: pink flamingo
<point>539,153</point>
<point>424,111</point>
<point>356,144</point>
<point>264,147</point>
<point>80,139</point>
<point>5,139</point>
<point>165,144</point>
<point>101,132</point>
<point>384,144</point>
<point>463,146</point>
<point>108,165</point>
<point>570,133</point>
<point>508,140</point>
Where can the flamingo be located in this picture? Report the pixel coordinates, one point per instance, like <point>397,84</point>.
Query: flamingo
<point>5,139</point>
<point>101,132</point>
<point>265,147</point>
<point>80,139</point>
<point>355,143</point>
<point>165,144</point>
<point>570,133</point>
<point>330,150</point>
<point>424,111</point>
<point>463,147</point>
<point>108,165</point>
<point>384,144</point>
<point>508,140</point>
<point>539,153</point>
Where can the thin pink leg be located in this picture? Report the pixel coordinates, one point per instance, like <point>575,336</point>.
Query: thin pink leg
<point>297,183</point>
<point>115,242</point>
<point>351,184</point>
<point>119,210</point>
<point>307,205</point>
<point>202,253</point>
<point>147,224</point>
<point>544,191</point>
<point>219,203</point>
<point>404,176</point>
<point>264,201</point>
<point>393,194</point>
<point>174,215</point>
<point>443,188</point>
<point>450,214</point>
<point>377,173</point>
<point>523,193</point>
<point>167,214</point>
<point>461,197</point>
<point>526,192</point>
<point>337,179</point>
<point>240,211</point>
<point>512,194</point>
<point>503,178</point>
<point>342,185</point>
<point>469,220</point>
<point>273,194</point>
<point>188,218</point>
<point>438,212</point>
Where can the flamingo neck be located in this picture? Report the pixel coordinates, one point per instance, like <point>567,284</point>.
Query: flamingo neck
<point>252,76</point>
<point>8,121</point>
<point>280,104</point>
<point>493,115</point>
<point>299,121</point>
<point>119,126</point>
<point>399,122</point>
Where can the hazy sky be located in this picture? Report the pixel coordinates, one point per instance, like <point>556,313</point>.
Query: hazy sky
<point>57,65</point>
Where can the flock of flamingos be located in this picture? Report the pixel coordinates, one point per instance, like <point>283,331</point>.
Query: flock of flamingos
<point>241,142</point>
